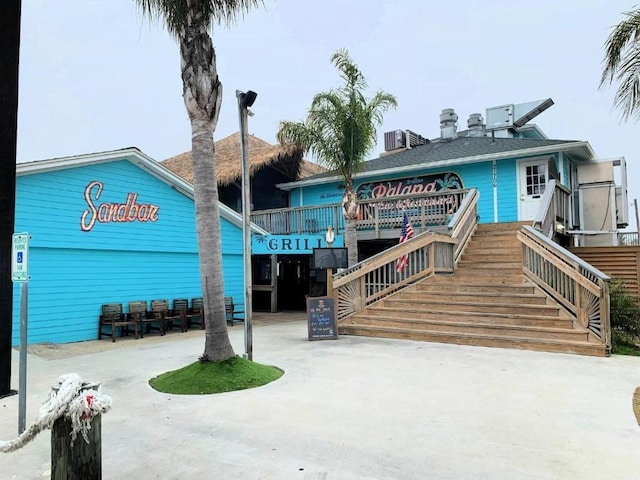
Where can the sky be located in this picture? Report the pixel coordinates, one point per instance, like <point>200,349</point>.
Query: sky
<point>96,76</point>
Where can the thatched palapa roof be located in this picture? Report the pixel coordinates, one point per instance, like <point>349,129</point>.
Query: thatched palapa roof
<point>287,159</point>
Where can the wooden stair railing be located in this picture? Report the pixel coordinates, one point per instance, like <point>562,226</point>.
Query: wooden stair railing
<point>429,253</point>
<point>581,288</point>
<point>464,222</point>
<point>372,279</point>
<point>553,215</point>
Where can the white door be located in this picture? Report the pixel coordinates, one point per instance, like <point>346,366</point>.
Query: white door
<point>532,183</point>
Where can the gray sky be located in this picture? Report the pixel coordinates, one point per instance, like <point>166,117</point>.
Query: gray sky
<point>95,76</point>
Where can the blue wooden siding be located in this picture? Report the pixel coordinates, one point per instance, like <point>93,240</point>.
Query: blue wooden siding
<point>565,170</point>
<point>507,171</point>
<point>473,175</point>
<point>74,272</point>
<point>478,175</point>
<point>52,203</point>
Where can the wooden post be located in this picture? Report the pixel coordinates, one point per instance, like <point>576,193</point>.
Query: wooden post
<point>274,283</point>
<point>82,461</point>
<point>330,283</point>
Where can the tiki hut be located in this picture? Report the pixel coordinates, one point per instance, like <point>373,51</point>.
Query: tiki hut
<point>270,165</point>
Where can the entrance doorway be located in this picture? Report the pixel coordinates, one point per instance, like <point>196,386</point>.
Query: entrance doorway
<point>293,281</point>
<point>533,181</point>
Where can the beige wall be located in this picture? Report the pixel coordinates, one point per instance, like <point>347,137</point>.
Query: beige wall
<point>596,186</point>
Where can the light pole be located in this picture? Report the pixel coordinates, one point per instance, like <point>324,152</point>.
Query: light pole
<point>330,237</point>
<point>245,100</point>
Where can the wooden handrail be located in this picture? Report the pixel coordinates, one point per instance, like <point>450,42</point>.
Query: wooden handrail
<point>372,279</point>
<point>553,213</point>
<point>464,222</point>
<point>428,253</point>
<point>581,288</point>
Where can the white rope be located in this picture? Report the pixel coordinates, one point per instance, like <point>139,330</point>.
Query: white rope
<point>69,399</point>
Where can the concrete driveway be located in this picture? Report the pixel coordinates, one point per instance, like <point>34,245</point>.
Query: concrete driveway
<point>353,408</point>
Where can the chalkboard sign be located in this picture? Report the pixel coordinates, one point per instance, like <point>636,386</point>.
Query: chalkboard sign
<point>321,318</point>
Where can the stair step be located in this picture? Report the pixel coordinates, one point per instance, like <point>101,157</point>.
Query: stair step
<point>512,226</point>
<point>470,276</point>
<point>476,327</point>
<point>446,287</point>
<point>495,264</point>
<point>483,340</point>
<point>473,250</point>
<point>451,305</point>
<point>475,257</point>
<point>470,297</point>
<point>481,272</point>
<point>430,315</point>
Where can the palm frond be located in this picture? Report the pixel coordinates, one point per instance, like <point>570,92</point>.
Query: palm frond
<point>622,64</point>
<point>627,97</point>
<point>340,128</point>
<point>174,13</point>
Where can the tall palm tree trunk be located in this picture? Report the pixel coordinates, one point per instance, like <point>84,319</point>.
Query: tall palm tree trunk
<point>350,210</point>
<point>9,59</point>
<point>202,92</point>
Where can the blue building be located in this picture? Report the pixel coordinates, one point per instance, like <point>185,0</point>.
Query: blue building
<point>519,173</point>
<point>110,227</point>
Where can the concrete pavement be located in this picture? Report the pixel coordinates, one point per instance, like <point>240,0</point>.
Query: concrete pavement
<point>353,408</point>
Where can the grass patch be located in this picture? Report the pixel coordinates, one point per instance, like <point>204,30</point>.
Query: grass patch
<point>200,378</point>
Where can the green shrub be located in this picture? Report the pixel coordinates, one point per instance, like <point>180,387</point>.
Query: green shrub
<point>625,319</point>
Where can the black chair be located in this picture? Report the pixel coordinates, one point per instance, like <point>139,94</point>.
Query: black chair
<point>113,317</point>
<point>146,321</point>
<point>166,316</point>
<point>179,312</point>
<point>231,311</point>
<point>195,315</point>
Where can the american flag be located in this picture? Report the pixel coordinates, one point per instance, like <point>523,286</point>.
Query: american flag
<point>405,234</point>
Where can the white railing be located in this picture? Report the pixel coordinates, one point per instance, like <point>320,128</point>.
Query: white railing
<point>553,214</point>
<point>581,288</point>
<point>628,239</point>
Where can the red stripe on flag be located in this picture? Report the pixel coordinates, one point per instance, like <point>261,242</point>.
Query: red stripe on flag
<point>405,234</point>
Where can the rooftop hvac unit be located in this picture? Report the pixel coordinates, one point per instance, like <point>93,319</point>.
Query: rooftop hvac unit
<point>394,140</point>
<point>413,139</point>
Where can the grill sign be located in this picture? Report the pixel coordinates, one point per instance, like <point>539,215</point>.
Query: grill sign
<point>129,211</point>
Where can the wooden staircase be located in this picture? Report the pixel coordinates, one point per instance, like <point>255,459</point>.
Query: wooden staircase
<point>486,302</point>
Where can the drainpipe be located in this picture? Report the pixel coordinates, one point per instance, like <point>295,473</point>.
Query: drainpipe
<point>494,172</point>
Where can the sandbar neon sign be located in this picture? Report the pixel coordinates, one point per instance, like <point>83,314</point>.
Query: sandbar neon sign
<point>129,211</point>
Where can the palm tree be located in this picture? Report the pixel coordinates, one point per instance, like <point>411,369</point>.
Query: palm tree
<point>340,130</point>
<point>190,22</point>
<point>622,64</point>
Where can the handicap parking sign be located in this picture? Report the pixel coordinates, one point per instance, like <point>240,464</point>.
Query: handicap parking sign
<point>19,256</point>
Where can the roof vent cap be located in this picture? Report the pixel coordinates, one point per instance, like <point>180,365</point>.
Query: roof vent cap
<point>448,124</point>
